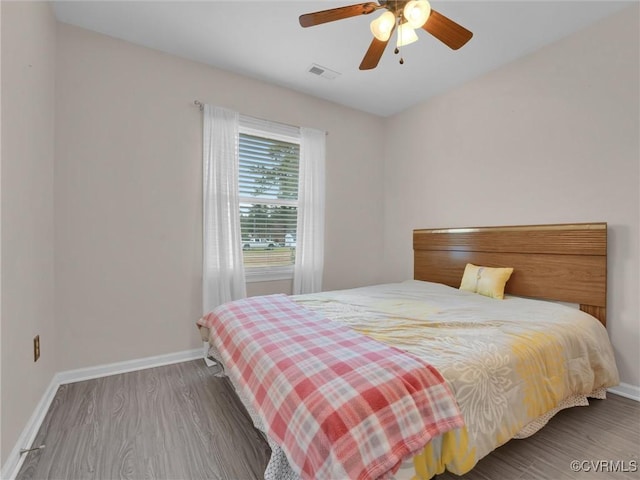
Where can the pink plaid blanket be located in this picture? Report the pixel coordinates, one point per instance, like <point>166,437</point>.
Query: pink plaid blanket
<point>340,404</point>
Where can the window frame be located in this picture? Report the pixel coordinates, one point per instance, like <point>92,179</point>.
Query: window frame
<point>269,273</point>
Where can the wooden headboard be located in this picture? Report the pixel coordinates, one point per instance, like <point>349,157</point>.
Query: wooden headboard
<point>562,262</point>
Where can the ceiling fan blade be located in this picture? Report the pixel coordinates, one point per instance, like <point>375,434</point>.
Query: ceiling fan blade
<point>324,16</point>
<point>447,31</point>
<point>374,54</point>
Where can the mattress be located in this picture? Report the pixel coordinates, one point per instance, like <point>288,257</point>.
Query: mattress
<point>510,363</point>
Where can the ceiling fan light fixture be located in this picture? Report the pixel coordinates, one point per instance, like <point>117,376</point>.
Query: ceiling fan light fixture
<point>417,12</point>
<point>406,35</point>
<point>414,13</point>
<point>382,26</point>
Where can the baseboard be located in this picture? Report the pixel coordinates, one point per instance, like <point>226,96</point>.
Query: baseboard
<point>72,376</point>
<point>626,390</point>
<point>14,461</point>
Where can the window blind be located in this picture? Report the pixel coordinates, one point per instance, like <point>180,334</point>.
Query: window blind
<point>268,184</point>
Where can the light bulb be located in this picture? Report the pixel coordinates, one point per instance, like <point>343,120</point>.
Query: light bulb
<point>406,35</point>
<point>382,26</point>
<point>417,12</point>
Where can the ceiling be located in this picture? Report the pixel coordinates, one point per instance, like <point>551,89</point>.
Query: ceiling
<point>263,39</point>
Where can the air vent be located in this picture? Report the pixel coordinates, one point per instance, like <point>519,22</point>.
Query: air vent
<point>323,72</point>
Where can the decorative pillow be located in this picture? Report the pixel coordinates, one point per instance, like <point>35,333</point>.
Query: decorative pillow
<point>486,281</point>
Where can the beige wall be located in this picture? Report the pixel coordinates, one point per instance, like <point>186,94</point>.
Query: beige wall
<point>550,138</point>
<point>28,65</point>
<point>128,193</point>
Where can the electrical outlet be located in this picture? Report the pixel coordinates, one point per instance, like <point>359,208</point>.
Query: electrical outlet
<point>36,348</point>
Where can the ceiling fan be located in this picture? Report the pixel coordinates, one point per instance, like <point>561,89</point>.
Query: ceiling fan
<point>404,15</point>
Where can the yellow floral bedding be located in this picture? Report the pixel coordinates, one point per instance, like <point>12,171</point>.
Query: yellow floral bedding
<point>511,363</point>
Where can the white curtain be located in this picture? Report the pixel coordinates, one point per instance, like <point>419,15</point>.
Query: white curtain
<point>309,266</point>
<point>222,270</point>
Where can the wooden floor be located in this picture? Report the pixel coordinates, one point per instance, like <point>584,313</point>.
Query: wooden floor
<point>171,422</point>
<point>181,422</point>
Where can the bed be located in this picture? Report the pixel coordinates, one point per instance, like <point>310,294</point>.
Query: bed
<point>510,364</point>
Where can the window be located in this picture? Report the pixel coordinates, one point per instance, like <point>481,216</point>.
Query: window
<point>264,191</point>
<point>268,187</point>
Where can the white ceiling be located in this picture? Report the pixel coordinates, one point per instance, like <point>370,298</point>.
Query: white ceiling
<point>263,39</point>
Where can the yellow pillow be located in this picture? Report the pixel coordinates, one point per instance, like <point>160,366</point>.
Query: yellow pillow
<point>486,281</point>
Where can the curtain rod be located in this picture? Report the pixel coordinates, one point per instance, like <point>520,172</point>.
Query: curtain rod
<point>200,106</point>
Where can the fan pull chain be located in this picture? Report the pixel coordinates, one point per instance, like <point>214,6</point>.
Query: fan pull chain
<point>397,50</point>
